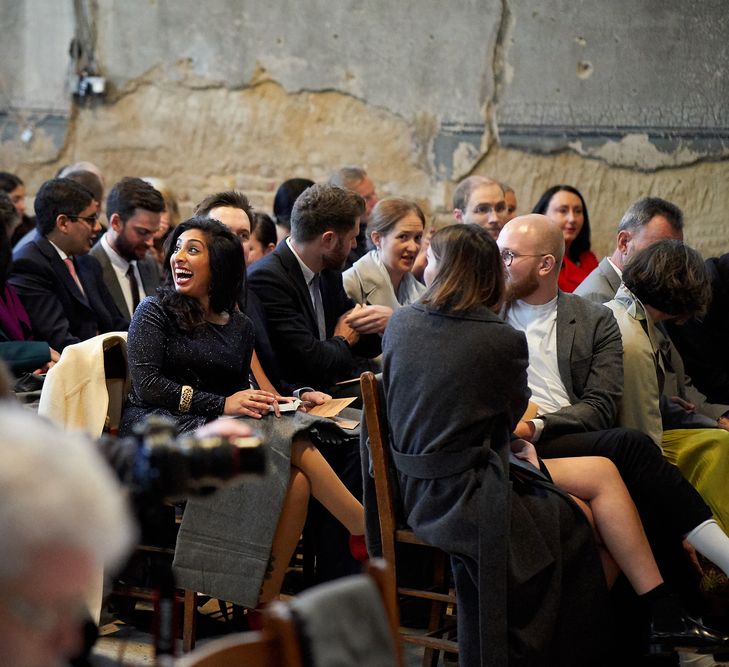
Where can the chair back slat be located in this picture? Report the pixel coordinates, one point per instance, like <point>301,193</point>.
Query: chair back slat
<point>378,438</point>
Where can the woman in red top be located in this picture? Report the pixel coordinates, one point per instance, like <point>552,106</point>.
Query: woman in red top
<point>565,205</point>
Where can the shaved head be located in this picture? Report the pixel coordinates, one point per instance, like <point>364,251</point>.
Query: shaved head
<point>532,247</point>
<point>536,233</point>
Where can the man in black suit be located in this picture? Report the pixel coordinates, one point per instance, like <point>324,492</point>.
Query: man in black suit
<point>306,307</point>
<point>134,208</point>
<point>300,286</point>
<point>59,284</point>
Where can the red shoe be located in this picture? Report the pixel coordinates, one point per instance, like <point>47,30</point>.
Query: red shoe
<point>255,618</point>
<point>358,548</point>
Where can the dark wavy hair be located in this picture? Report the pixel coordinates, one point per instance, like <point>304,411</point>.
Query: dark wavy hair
<point>470,270</point>
<point>129,194</point>
<point>671,277</point>
<point>263,228</point>
<point>582,241</point>
<point>228,199</point>
<point>227,273</point>
<point>8,181</point>
<point>321,208</point>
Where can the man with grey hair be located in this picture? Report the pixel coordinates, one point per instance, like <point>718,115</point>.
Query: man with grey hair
<point>646,221</point>
<point>356,179</point>
<point>480,200</point>
<point>63,520</point>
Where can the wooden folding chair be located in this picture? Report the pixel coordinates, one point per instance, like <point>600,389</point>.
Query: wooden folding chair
<point>394,532</point>
<point>281,642</point>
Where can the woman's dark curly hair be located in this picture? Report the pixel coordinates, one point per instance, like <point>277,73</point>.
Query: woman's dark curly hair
<point>582,240</point>
<point>670,277</point>
<point>227,273</point>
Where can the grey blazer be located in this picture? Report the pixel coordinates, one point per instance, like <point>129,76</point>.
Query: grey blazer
<point>600,287</point>
<point>590,361</point>
<point>148,270</point>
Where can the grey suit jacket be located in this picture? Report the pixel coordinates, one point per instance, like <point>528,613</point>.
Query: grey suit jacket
<point>590,361</point>
<point>600,287</point>
<point>148,270</point>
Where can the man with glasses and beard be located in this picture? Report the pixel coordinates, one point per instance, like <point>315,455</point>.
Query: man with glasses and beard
<point>59,284</point>
<point>576,378</point>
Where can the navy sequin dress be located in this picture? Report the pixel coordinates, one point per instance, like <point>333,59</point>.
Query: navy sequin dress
<point>213,359</point>
<point>224,542</point>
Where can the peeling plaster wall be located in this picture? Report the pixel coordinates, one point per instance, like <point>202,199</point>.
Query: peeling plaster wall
<point>637,84</point>
<point>701,190</point>
<point>621,100</point>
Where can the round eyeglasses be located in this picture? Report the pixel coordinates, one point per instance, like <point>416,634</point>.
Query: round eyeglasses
<point>509,256</point>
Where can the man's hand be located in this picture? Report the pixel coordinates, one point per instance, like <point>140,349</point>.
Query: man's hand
<point>309,399</point>
<point>689,549</point>
<point>723,422</point>
<point>525,429</point>
<point>225,428</point>
<point>689,407</point>
<point>369,319</point>
<point>345,330</point>
<point>55,356</point>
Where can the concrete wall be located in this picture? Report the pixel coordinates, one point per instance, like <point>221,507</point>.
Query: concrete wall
<point>620,99</point>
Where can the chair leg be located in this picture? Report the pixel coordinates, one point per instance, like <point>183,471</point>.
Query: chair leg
<point>308,558</point>
<point>189,613</point>
<point>437,609</point>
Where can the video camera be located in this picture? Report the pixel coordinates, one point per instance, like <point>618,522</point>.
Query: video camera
<point>155,463</point>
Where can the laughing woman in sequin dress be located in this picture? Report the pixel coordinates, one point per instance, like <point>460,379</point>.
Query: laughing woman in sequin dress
<point>189,358</point>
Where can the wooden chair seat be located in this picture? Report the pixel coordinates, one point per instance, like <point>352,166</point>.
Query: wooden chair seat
<point>283,643</point>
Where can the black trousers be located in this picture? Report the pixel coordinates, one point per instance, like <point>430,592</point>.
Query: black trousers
<point>668,505</point>
<point>657,487</point>
<point>329,538</point>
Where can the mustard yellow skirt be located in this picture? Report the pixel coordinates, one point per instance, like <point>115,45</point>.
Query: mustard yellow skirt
<point>702,456</point>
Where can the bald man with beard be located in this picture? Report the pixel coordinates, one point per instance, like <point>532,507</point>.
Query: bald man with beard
<point>576,377</point>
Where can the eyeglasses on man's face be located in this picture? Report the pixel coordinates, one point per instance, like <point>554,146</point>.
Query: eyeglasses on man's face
<point>509,256</point>
<point>90,220</point>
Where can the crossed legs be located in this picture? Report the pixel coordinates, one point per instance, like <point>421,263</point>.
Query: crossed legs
<point>310,475</point>
<point>596,481</point>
